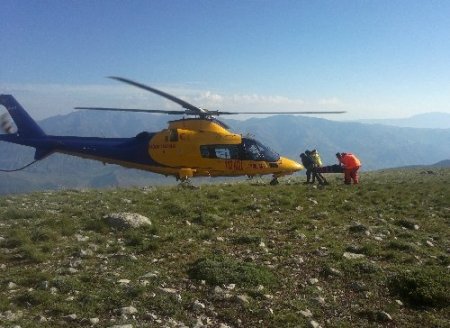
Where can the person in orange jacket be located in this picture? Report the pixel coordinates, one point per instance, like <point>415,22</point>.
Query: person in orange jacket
<point>351,165</point>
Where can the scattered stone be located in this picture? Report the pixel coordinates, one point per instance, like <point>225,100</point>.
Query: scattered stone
<point>198,305</point>
<point>94,321</point>
<point>168,290</point>
<point>127,310</point>
<point>151,275</point>
<point>320,300</point>
<point>312,200</point>
<point>70,318</point>
<point>399,302</point>
<point>313,281</point>
<point>429,243</point>
<point>127,220</point>
<point>314,324</point>
<point>12,285</point>
<point>41,318</point>
<point>353,256</point>
<point>306,313</point>
<point>11,316</point>
<point>383,316</point>
<point>243,299</point>
<point>81,238</point>
<point>124,281</point>
<point>122,326</point>
<point>329,271</point>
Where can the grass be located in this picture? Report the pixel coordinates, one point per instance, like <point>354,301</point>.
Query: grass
<point>251,254</point>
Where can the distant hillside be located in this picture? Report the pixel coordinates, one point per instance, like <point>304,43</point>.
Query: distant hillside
<point>433,120</point>
<point>444,163</point>
<point>378,147</point>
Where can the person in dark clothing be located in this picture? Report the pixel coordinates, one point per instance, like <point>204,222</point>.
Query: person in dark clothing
<point>309,165</point>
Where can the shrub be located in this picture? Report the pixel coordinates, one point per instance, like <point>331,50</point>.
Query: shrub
<point>425,287</point>
<point>219,270</point>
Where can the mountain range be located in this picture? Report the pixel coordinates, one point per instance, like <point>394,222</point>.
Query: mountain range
<point>378,146</point>
<point>433,120</point>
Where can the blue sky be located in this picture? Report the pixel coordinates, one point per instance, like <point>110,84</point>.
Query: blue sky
<point>375,59</point>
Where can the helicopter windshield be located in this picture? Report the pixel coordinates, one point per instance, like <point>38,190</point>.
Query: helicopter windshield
<point>256,151</point>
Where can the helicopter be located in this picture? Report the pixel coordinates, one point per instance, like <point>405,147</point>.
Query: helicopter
<point>196,145</point>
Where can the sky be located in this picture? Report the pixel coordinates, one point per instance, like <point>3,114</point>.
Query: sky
<point>373,59</point>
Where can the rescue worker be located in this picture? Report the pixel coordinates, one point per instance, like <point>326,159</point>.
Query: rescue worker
<point>351,165</point>
<point>309,165</point>
<point>314,154</point>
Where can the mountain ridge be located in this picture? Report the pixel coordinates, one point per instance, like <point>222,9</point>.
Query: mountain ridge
<point>430,120</point>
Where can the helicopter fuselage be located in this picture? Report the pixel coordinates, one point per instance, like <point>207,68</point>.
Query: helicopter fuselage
<point>187,148</point>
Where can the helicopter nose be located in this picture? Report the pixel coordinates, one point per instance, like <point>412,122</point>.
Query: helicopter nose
<point>288,165</point>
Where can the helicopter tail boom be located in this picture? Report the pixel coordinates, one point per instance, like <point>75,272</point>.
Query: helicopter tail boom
<point>26,126</point>
<point>28,132</point>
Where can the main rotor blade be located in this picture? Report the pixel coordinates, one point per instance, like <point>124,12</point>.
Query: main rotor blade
<point>179,101</point>
<point>280,113</point>
<point>137,110</point>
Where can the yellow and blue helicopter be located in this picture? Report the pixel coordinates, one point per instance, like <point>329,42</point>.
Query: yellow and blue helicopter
<point>197,145</point>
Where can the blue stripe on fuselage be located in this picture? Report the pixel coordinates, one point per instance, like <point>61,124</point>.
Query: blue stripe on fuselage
<point>131,150</point>
<point>112,150</point>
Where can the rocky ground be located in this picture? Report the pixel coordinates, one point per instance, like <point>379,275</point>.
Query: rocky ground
<point>231,255</point>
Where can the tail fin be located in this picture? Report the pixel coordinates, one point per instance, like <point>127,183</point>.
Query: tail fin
<point>26,126</point>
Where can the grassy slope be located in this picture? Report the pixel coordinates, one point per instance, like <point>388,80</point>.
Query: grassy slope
<point>269,241</point>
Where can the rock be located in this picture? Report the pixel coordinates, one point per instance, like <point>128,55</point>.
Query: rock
<point>353,256</point>
<point>151,275</point>
<point>313,281</point>
<point>122,326</point>
<point>70,318</point>
<point>314,324</point>
<point>94,321</point>
<point>127,220</point>
<point>11,285</point>
<point>429,243</point>
<point>168,290</point>
<point>312,200</point>
<point>329,271</point>
<point>124,281</point>
<point>383,316</point>
<point>306,313</point>
<point>320,300</point>
<point>11,316</point>
<point>243,299</point>
<point>198,305</point>
<point>127,310</point>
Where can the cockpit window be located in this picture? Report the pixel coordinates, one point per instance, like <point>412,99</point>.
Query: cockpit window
<point>249,149</point>
<point>256,151</point>
<point>220,151</point>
